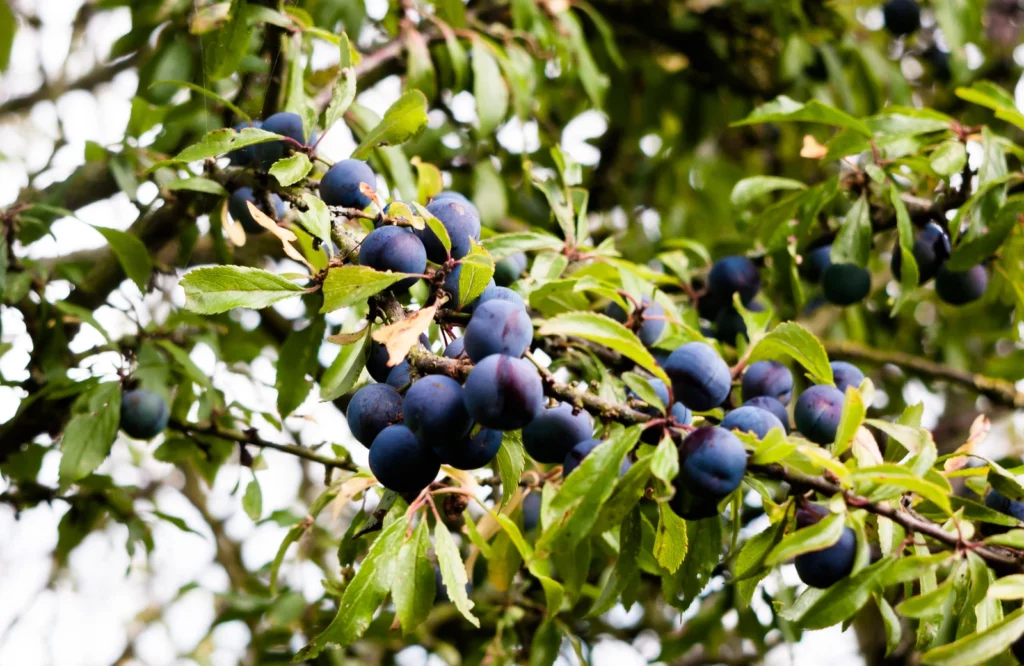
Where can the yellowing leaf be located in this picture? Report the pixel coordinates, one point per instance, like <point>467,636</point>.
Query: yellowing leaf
<point>400,336</point>
<point>286,236</point>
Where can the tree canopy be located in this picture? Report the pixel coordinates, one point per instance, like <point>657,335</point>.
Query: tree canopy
<point>507,317</point>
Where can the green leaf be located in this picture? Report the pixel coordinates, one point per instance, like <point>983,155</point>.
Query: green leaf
<point>979,647</point>
<point>420,73</point>
<point>791,340</point>
<point>476,273</point>
<point>504,245</point>
<point>749,190</point>
<point>971,252</point>
<point>783,108</point>
<point>643,390</point>
<point>197,184</point>
<point>413,587</point>
<point>316,219</point>
<point>207,93</point>
<point>852,417</point>
<point>547,640</point>
<point>1007,588</point>
<point>810,539</point>
<point>627,492</point>
<point>343,96</point>
<point>8,28</point>
<point>949,158</point>
<point>84,314</point>
<point>670,540</point>
<point>607,332</point>
<point>216,289</point>
<point>892,624</point>
<point>291,170</point>
<point>453,571</point>
<point>223,49</point>
<point>435,225</point>
<point>489,88</point>
<point>88,436</point>
<point>365,593</point>
<point>842,600</point>
<point>344,370</point>
<point>853,242</point>
<point>665,461</point>
<point>131,253</point>
<point>252,500</point>
<point>904,479</point>
<point>298,358</point>
<point>574,509</point>
<point>404,120</point>
<point>909,273</point>
<point>349,285</point>
<point>625,575</point>
<point>511,462</point>
<point>219,142</point>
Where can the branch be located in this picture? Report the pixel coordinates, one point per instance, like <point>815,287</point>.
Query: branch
<point>999,390</point>
<point>51,91</point>
<point>999,558</point>
<point>250,437</point>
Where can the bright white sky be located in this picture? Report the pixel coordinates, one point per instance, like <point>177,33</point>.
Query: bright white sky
<point>84,616</point>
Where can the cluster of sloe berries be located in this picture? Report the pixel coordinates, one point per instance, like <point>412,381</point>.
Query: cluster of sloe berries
<point>846,284</point>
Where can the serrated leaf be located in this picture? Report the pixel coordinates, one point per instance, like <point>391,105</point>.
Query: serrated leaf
<point>607,332</point>
<point>414,587</point>
<point>404,120</point>
<point>816,537</point>
<point>783,108</point>
<point>489,88</point>
<point>343,96</point>
<point>221,141</point>
<point>297,359</point>
<point>791,340</point>
<point>365,593</point>
<point>88,437</point>
<point>665,461</point>
<point>511,462</point>
<point>453,571</point>
<point>216,289</point>
<point>292,169</point>
<point>670,542</point>
<point>348,285</point>
<point>749,190</point>
<point>252,500</point>
<point>131,253</point>
<point>504,245</point>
